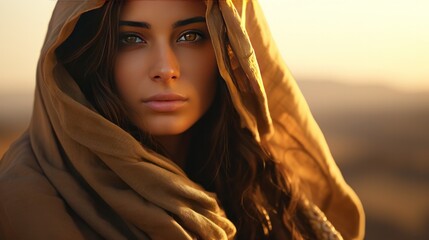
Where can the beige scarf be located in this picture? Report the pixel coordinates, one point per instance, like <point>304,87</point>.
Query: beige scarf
<point>75,175</point>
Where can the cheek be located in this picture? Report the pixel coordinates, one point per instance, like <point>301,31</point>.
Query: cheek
<point>127,73</point>
<point>201,63</point>
<point>205,80</point>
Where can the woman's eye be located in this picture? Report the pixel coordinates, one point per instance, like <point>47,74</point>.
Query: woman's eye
<point>129,39</point>
<point>190,37</point>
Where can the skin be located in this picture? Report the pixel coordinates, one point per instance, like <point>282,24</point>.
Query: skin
<point>161,53</point>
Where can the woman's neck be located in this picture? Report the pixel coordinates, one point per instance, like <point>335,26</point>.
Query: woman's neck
<point>177,146</point>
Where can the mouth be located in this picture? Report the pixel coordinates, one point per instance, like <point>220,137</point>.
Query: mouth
<point>165,102</point>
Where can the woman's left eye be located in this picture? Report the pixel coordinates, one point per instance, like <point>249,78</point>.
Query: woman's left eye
<point>190,37</point>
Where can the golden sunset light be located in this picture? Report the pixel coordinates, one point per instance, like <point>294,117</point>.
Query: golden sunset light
<point>362,67</point>
<point>366,42</point>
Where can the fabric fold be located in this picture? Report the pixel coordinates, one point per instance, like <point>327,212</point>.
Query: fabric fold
<point>84,175</point>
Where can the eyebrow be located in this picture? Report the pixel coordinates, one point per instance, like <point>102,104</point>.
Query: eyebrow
<point>188,21</point>
<point>177,24</point>
<point>135,24</point>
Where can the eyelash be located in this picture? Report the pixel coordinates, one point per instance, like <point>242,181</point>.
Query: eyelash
<point>199,36</point>
<point>123,36</point>
<point>123,39</point>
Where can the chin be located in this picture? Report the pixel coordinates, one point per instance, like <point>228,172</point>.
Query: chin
<point>166,132</point>
<point>166,128</point>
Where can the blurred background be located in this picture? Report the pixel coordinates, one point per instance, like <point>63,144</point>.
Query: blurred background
<point>362,66</point>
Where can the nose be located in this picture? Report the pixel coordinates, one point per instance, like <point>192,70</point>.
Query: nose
<point>166,66</point>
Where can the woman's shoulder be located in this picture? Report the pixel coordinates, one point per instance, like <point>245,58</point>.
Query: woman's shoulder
<point>18,161</point>
<point>29,204</point>
<point>18,165</point>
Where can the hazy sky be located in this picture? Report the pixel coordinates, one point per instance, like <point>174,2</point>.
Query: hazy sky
<point>364,41</point>
<point>385,41</point>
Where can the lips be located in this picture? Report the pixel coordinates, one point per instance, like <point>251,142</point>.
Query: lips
<point>165,102</point>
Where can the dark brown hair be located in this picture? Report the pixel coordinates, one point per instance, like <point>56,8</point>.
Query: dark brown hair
<point>252,187</point>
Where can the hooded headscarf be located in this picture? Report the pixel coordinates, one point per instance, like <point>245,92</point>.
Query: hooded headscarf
<point>75,175</point>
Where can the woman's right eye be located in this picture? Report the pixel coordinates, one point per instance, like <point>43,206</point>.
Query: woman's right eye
<point>130,39</point>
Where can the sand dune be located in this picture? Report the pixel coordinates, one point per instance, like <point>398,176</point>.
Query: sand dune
<point>380,139</point>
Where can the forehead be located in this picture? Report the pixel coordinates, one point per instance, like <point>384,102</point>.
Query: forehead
<point>154,11</point>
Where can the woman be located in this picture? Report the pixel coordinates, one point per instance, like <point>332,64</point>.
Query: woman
<point>159,120</point>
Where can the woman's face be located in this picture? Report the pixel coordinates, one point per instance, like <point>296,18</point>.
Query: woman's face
<point>166,70</point>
